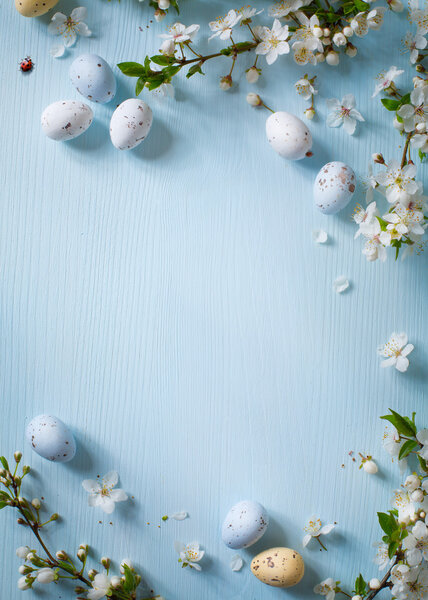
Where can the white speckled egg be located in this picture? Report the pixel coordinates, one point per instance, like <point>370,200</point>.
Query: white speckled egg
<point>288,135</point>
<point>51,438</point>
<point>66,119</point>
<point>34,8</point>
<point>130,124</point>
<point>93,78</point>
<point>334,187</point>
<point>244,525</point>
<point>278,567</point>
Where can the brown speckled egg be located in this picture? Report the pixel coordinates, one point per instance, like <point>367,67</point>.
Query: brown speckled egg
<point>334,187</point>
<point>34,8</point>
<point>278,567</point>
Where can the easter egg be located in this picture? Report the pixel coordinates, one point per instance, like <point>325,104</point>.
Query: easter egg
<point>278,567</point>
<point>334,187</point>
<point>244,525</point>
<point>130,124</point>
<point>288,135</point>
<point>66,119</point>
<point>50,438</point>
<point>34,8</point>
<point>93,78</point>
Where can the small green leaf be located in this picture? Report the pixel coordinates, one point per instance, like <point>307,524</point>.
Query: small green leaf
<point>392,549</point>
<point>404,100</point>
<point>390,104</point>
<point>4,463</point>
<point>422,155</point>
<point>401,425</point>
<point>195,69</point>
<point>3,505</point>
<point>139,86</point>
<point>423,464</point>
<point>360,586</point>
<point>361,6</point>
<point>387,522</point>
<point>407,448</point>
<point>132,69</point>
<point>129,583</point>
<point>162,60</point>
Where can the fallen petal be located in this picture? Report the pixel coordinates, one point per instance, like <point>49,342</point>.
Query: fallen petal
<point>319,236</point>
<point>180,516</point>
<point>57,51</point>
<point>236,563</point>
<point>340,284</point>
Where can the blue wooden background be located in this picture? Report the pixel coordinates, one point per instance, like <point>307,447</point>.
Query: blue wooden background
<point>169,305</point>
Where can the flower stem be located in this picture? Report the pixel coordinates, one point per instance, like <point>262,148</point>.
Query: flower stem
<point>406,146</point>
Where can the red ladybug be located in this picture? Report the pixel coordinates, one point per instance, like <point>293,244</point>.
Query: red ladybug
<point>26,65</point>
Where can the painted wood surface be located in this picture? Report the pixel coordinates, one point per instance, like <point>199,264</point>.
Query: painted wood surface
<point>169,305</point>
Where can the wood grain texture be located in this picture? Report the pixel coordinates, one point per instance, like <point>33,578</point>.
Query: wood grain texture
<point>170,306</point>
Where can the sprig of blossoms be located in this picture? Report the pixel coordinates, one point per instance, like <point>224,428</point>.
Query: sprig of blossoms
<point>403,550</point>
<point>313,31</point>
<point>44,567</point>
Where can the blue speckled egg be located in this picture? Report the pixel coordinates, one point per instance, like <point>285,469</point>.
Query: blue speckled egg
<point>50,438</point>
<point>93,78</point>
<point>244,525</point>
<point>334,187</point>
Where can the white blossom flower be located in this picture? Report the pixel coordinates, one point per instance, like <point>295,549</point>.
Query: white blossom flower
<point>326,588</point>
<point>223,25</point>
<point>303,55</point>
<point>413,42</point>
<point>403,503</point>
<point>308,33</point>
<point>403,220</point>
<point>416,111</point>
<point>165,90</point>
<point>70,27</point>
<point>422,438</point>
<point>359,24</point>
<point>236,563</point>
<point>376,242</point>
<point>385,79</point>
<point>416,544</point>
<point>101,585</point>
<point>375,17</point>
<point>365,218</point>
<point>247,13</point>
<point>381,558</point>
<point>305,88</point>
<point>23,584</point>
<point>45,575</point>
<point>419,17</point>
<point>399,183</point>
<point>284,8</point>
<point>179,33</point>
<point>343,113</point>
<point>102,493</point>
<point>190,554</point>
<point>412,482</point>
<point>414,587</point>
<point>273,41</point>
<point>369,183</point>
<point>314,529</point>
<point>395,351</point>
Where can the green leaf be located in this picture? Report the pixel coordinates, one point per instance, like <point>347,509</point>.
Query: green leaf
<point>3,505</point>
<point>404,100</point>
<point>392,549</point>
<point>4,463</point>
<point>361,6</point>
<point>407,448</point>
<point>390,104</point>
<point>422,155</point>
<point>141,82</point>
<point>170,71</point>
<point>195,69</point>
<point>387,522</point>
<point>162,60</point>
<point>129,584</point>
<point>400,423</point>
<point>423,464</point>
<point>132,69</point>
<point>360,586</point>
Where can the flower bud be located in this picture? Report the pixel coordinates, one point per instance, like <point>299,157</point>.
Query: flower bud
<point>128,563</point>
<point>317,31</point>
<point>326,32</point>
<point>3,473</point>
<point>422,514</point>
<point>17,456</point>
<point>351,50</point>
<point>36,503</point>
<point>54,517</point>
<point>92,573</point>
<point>339,39</point>
<point>310,113</point>
<point>378,158</point>
<point>24,584</point>
<point>21,521</point>
<point>395,5</point>
<point>420,68</point>
<point>159,15</point>
<point>226,82</point>
<point>80,590</point>
<point>357,597</point>
<point>374,584</point>
<point>254,99</point>
<point>398,124</point>
<point>412,482</point>
<point>370,467</point>
<point>26,469</point>
<point>332,58</point>
<point>348,31</point>
<point>61,555</point>
<point>45,576</point>
<point>421,127</point>
<point>105,562</point>
<point>22,552</point>
<point>404,520</point>
<point>167,48</point>
<point>164,4</point>
<point>417,496</point>
<point>252,74</point>
<point>320,57</point>
<point>115,582</point>
<point>81,554</point>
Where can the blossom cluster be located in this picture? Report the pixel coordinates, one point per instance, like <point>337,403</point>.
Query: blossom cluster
<point>403,550</point>
<point>311,31</point>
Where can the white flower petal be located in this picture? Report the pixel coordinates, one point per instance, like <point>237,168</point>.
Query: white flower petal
<point>319,236</point>
<point>179,516</point>
<point>236,563</point>
<point>340,284</point>
<point>57,51</point>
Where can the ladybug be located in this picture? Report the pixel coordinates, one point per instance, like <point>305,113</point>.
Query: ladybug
<point>26,65</point>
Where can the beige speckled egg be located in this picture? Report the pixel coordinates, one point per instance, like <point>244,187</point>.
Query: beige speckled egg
<point>34,8</point>
<point>334,187</point>
<point>288,135</point>
<point>279,567</point>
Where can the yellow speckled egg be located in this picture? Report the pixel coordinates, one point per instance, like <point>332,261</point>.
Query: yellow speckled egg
<point>34,8</point>
<point>279,567</point>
